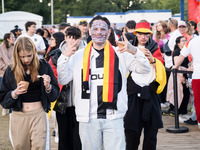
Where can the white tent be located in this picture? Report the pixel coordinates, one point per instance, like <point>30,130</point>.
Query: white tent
<point>9,19</point>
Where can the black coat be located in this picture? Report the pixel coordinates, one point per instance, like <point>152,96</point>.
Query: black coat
<point>143,109</point>
<point>9,84</point>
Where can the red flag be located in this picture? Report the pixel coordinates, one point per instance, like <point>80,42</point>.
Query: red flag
<point>194,10</point>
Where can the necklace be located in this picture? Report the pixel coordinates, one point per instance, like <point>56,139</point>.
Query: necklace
<point>28,72</point>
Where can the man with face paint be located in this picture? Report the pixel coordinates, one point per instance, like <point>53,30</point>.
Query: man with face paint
<point>99,74</point>
<point>143,103</point>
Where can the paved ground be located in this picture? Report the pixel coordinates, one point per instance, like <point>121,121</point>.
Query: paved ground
<point>166,141</point>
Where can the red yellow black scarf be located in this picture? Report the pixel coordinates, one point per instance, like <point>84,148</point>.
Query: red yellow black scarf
<point>110,77</point>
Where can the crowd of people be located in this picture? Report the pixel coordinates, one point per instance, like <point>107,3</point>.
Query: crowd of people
<point>109,84</point>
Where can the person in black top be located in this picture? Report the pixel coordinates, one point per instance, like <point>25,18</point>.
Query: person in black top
<point>31,101</point>
<point>180,42</point>
<point>194,26</point>
<point>130,27</point>
<point>183,98</point>
<point>41,33</point>
<point>14,30</point>
<point>55,41</point>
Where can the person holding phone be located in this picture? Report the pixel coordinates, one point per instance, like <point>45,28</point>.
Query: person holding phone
<point>144,110</point>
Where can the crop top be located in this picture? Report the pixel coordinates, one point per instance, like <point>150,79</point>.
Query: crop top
<point>34,91</point>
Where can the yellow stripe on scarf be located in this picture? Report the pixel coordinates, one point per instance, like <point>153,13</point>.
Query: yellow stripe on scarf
<point>86,61</point>
<point>108,76</point>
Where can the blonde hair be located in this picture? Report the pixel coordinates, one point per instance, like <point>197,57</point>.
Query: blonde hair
<point>24,44</point>
<point>165,30</point>
<point>189,30</point>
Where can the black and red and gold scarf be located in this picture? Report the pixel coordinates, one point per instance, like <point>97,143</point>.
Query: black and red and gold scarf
<point>110,77</point>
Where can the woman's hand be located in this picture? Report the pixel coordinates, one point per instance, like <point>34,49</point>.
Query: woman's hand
<point>182,79</point>
<point>47,81</point>
<point>19,90</point>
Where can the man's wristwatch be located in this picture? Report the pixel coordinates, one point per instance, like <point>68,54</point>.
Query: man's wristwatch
<point>153,61</point>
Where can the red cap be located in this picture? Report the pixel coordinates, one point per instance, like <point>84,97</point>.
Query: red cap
<point>143,27</point>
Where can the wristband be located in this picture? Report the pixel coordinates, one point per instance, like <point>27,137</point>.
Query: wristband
<point>154,61</point>
<point>48,90</point>
<point>12,94</point>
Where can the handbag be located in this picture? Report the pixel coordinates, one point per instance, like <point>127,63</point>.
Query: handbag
<point>65,99</point>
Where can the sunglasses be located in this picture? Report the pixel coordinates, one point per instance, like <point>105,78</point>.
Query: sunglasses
<point>170,21</point>
<point>182,26</point>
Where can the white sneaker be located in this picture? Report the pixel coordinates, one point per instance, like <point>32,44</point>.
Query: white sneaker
<point>167,104</point>
<point>182,118</point>
<point>4,112</point>
<point>163,105</point>
<point>186,116</point>
<point>199,125</point>
<point>56,139</point>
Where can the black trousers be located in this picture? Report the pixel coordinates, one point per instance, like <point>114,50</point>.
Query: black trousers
<point>184,104</point>
<point>68,129</point>
<point>133,138</point>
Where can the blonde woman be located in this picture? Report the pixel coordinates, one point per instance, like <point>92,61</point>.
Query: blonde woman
<point>28,121</point>
<point>161,36</point>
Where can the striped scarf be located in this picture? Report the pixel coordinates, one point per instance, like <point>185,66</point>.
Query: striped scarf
<point>110,77</point>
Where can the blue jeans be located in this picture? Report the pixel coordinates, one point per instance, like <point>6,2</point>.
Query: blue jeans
<point>0,79</point>
<point>193,116</point>
<point>99,133</point>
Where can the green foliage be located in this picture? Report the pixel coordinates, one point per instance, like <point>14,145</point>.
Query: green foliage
<point>174,5</point>
<point>33,6</point>
<point>90,7</point>
<point>87,7</point>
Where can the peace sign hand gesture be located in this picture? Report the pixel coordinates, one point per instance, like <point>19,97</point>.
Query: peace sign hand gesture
<point>72,46</point>
<point>126,46</point>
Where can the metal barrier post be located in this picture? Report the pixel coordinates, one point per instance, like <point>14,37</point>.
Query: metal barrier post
<point>176,129</point>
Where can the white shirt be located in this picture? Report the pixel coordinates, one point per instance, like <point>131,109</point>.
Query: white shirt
<point>171,44</point>
<point>70,68</point>
<point>38,41</point>
<point>172,39</point>
<point>144,79</point>
<point>194,48</point>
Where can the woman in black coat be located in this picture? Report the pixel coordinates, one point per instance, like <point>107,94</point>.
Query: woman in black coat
<point>28,86</point>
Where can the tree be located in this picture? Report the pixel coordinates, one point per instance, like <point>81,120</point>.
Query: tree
<point>33,6</point>
<point>87,7</point>
<point>90,7</point>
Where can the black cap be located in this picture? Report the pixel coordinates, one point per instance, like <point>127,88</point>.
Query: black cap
<point>18,29</point>
<point>83,22</point>
<point>16,26</point>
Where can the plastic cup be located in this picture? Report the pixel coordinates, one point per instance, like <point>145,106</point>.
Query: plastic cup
<point>26,84</point>
<point>120,45</point>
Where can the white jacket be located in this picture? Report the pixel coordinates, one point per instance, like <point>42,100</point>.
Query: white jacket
<point>70,68</point>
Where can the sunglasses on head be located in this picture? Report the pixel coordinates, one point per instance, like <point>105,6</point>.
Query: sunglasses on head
<point>170,20</point>
<point>182,26</point>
